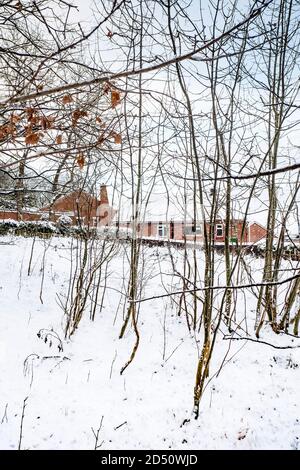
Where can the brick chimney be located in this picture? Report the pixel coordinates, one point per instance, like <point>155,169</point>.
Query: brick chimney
<point>103,195</point>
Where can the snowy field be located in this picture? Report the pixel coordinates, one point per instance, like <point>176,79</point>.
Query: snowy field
<point>251,402</point>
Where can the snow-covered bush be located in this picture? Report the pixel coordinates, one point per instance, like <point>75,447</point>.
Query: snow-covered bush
<point>40,226</point>
<point>45,216</point>
<point>63,226</point>
<point>10,225</point>
<point>64,220</point>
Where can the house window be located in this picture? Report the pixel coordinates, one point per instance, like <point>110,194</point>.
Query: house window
<point>95,221</point>
<point>219,230</point>
<point>192,229</point>
<point>162,230</point>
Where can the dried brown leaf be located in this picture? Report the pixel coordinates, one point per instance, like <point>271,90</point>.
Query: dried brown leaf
<point>32,139</point>
<point>118,138</point>
<point>115,98</point>
<point>3,132</point>
<point>32,115</point>
<point>80,160</point>
<point>14,118</point>
<point>47,122</point>
<point>101,140</point>
<point>67,99</point>
<point>77,114</point>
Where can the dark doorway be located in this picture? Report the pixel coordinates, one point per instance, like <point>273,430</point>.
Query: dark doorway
<point>172,230</point>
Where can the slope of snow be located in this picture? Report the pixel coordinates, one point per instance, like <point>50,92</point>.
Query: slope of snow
<point>252,403</point>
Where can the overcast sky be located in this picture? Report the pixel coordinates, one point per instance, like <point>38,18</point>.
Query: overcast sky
<point>85,11</point>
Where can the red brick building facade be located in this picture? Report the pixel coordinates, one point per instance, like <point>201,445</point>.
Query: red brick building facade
<point>81,207</point>
<point>178,230</point>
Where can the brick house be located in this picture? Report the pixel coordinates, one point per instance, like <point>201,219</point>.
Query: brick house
<point>82,208</point>
<point>85,209</point>
<point>179,230</point>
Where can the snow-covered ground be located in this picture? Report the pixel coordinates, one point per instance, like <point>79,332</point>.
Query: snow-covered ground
<point>251,403</point>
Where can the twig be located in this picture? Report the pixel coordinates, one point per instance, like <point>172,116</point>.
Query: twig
<point>112,364</point>
<point>261,342</point>
<point>120,425</point>
<point>240,286</point>
<point>96,434</point>
<point>5,414</point>
<point>21,425</point>
<point>174,350</point>
<point>129,73</point>
<point>45,334</point>
<point>28,368</point>
<point>64,358</point>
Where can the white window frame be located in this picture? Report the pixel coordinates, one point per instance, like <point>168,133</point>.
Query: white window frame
<point>219,227</point>
<point>161,227</point>
<point>190,226</point>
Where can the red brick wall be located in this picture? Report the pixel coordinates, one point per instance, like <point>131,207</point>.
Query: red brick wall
<point>4,215</point>
<point>29,217</point>
<point>178,231</point>
<point>26,216</point>
<point>81,204</point>
<point>257,232</point>
<point>85,206</point>
<point>237,230</point>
